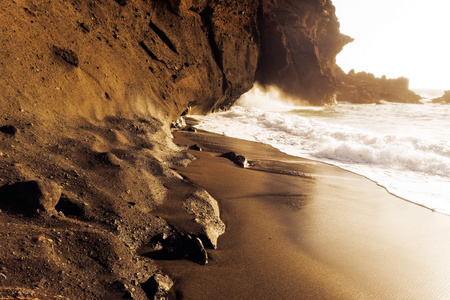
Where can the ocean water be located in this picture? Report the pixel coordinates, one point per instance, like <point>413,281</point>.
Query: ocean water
<point>403,147</point>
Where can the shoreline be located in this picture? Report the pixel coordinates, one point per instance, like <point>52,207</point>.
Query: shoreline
<point>191,121</point>
<point>408,160</point>
<point>338,233</point>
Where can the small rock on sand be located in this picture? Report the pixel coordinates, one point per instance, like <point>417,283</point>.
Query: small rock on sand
<point>8,129</point>
<point>157,286</point>
<point>195,147</point>
<point>239,160</point>
<point>29,196</point>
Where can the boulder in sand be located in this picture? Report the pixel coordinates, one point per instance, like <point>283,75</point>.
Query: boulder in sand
<point>206,211</point>
<point>177,246</point>
<point>67,55</point>
<point>195,147</point>
<point>157,286</point>
<point>8,129</point>
<point>239,160</point>
<point>30,196</point>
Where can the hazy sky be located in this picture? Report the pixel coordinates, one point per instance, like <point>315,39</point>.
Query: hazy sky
<point>398,38</point>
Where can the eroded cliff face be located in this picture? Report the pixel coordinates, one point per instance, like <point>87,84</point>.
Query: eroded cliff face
<point>88,91</point>
<point>299,44</point>
<point>159,57</point>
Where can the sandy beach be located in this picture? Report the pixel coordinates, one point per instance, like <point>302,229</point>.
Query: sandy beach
<point>299,229</point>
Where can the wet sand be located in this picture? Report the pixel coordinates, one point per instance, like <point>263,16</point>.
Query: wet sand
<point>299,229</point>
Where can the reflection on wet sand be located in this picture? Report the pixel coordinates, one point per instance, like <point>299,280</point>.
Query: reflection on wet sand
<point>301,229</point>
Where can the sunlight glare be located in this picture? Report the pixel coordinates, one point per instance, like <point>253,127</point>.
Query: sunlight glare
<point>397,38</point>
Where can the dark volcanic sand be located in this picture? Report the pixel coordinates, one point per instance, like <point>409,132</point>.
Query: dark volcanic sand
<point>302,229</point>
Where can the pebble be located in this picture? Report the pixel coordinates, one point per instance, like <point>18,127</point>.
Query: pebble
<point>8,129</point>
<point>38,238</point>
<point>195,147</point>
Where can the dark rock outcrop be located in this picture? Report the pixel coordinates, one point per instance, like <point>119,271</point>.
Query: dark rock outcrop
<point>8,129</point>
<point>299,44</point>
<point>195,147</point>
<point>29,196</point>
<point>239,160</point>
<point>444,99</point>
<point>158,286</point>
<point>229,155</point>
<point>67,55</point>
<point>364,87</point>
<point>176,246</point>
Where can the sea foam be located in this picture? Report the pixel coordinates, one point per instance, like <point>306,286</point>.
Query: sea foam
<point>401,146</point>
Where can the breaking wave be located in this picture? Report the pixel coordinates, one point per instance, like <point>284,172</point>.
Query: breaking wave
<point>401,146</point>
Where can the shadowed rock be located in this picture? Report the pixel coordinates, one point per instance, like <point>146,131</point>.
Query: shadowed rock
<point>177,246</point>
<point>122,2</point>
<point>8,129</point>
<point>66,54</point>
<point>27,197</point>
<point>444,99</point>
<point>190,129</point>
<point>239,160</point>
<point>195,147</point>
<point>69,207</point>
<point>299,43</point>
<point>364,87</point>
<point>157,286</point>
<point>229,155</point>
<point>206,211</point>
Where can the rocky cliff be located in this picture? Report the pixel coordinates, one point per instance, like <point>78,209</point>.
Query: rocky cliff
<point>299,44</point>
<point>365,88</point>
<point>89,89</point>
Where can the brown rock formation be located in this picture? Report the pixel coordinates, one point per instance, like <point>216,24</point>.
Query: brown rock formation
<point>364,87</point>
<point>444,99</point>
<point>299,44</point>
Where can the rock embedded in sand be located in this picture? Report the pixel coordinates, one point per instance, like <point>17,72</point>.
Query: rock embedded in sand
<point>66,54</point>
<point>122,2</point>
<point>195,147</point>
<point>38,238</point>
<point>8,129</point>
<point>239,160</point>
<point>158,286</point>
<point>206,211</point>
<point>229,155</point>
<point>49,194</point>
<point>177,246</point>
<point>190,129</point>
<point>185,246</point>
<point>109,159</point>
<point>30,196</point>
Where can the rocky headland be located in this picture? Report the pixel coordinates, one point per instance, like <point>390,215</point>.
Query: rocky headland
<point>89,90</point>
<point>364,88</point>
<point>444,99</point>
